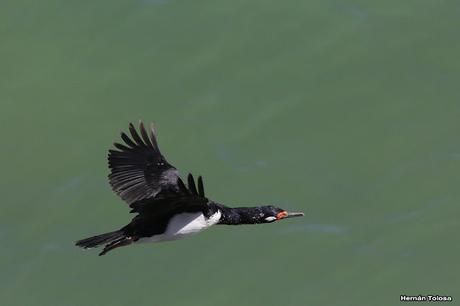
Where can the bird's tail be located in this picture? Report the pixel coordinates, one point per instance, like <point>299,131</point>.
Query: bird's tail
<point>95,241</point>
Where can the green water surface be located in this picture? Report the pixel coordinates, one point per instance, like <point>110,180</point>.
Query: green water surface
<point>347,110</point>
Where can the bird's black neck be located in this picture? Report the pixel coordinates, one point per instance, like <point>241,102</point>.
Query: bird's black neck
<point>240,215</point>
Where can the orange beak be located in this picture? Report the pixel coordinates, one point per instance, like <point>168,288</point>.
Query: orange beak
<point>284,214</point>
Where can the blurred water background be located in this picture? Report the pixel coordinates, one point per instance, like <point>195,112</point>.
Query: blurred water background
<point>348,110</point>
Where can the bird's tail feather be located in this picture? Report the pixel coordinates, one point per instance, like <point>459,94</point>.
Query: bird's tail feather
<point>95,241</point>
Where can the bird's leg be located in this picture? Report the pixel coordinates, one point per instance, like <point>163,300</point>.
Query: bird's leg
<point>124,241</point>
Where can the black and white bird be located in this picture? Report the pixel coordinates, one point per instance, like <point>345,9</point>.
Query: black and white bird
<point>166,208</point>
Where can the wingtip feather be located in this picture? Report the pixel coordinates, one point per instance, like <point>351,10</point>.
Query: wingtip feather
<point>144,135</point>
<point>135,135</point>
<point>200,187</point>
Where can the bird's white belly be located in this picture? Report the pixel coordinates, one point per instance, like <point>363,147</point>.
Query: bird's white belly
<point>183,225</point>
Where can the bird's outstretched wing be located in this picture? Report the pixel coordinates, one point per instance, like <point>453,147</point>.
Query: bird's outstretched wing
<point>184,198</point>
<point>138,169</point>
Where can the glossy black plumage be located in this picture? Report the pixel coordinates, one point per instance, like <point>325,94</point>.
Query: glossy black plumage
<point>153,189</point>
<point>138,169</point>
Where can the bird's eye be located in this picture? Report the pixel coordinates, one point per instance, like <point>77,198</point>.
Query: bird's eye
<point>270,219</point>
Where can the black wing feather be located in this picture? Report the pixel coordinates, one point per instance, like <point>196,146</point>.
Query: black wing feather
<point>120,146</point>
<point>182,188</point>
<point>128,140</point>
<point>153,138</point>
<point>139,170</point>
<point>145,136</point>
<point>200,187</point>
<point>135,136</point>
<point>191,184</point>
<point>142,177</point>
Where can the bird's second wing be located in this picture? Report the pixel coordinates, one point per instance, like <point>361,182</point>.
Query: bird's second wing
<point>138,170</point>
<point>183,198</point>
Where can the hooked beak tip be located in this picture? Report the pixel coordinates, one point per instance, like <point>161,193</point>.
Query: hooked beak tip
<point>295,214</point>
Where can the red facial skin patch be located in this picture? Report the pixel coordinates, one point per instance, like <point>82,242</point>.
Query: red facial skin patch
<point>281,215</point>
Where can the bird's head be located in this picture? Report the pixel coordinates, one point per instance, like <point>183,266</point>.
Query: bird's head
<point>271,213</point>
